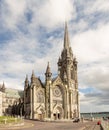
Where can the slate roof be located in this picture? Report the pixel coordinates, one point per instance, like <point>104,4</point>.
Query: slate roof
<point>13,93</point>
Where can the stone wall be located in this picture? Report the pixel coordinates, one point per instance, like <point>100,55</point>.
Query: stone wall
<point>0,103</point>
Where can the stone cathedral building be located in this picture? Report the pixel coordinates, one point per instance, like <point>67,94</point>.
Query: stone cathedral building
<point>57,98</point>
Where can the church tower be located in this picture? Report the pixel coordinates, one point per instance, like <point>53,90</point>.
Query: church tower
<point>67,64</point>
<point>67,67</point>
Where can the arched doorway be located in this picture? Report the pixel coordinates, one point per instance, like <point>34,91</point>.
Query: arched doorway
<point>40,113</point>
<point>58,113</point>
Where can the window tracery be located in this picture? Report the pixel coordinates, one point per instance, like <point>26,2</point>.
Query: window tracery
<point>57,92</point>
<point>40,97</point>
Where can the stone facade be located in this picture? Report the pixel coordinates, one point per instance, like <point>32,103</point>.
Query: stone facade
<point>0,103</point>
<point>57,98</point>
<point>9,98</point>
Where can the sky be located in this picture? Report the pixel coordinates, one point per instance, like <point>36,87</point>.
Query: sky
<point>31,34</point>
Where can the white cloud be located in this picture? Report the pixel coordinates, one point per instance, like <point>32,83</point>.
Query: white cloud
<point>96,6</point>
<point>92,45</point>
<point>53,12</point>
<point>91,48</point>
<point>22,55</point>
<point>12,12</point>
<point>80,25</point>
<point>95,101</point>
<point>50,12</point>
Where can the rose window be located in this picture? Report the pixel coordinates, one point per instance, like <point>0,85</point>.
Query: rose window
<point>57,91</point>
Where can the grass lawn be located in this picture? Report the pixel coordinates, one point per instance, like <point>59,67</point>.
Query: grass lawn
<point>8,119</point>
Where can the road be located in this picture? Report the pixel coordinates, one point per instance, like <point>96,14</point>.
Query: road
<point>37,125</point>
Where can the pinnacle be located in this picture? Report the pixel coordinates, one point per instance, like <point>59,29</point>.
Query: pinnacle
<point>26,79</point>
<point>3,85</point>
<point>48,69</point>
<point>33,75</point>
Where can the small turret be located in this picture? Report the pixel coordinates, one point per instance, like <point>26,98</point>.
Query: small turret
<point>0,87</point>
<point>3,87</point>
<point>48,73</point>
<point>26,81</point>
<point>33,77</point>
<point>59,61</point>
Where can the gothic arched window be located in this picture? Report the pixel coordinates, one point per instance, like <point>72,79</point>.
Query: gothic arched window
<point>72,74</point>
<point>40,97</point>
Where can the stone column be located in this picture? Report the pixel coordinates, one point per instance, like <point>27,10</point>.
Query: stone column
<point>56,115</point>
<point>65,103</point>
<point>68,108</point>
<point>24,101</point>
<point>34,101</point>
<point>78,105</point>
<point>51,100</point>
<point>46,113</point>
<point>47,104</point>
<point>71,104</point>
<point>31,104</point>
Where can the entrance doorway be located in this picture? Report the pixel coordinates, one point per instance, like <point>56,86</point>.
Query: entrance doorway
<point>57,116</point>
<point>57,113</point>
<point>40,116</point>
<point>54,116</point>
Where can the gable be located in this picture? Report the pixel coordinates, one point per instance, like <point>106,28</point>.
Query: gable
<point>57,80</point>
<point>37,83</point>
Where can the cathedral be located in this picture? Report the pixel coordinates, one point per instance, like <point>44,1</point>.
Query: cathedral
<point>58,97</point>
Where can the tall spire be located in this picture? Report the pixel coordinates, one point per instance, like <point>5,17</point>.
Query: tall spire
<point>66,37</point>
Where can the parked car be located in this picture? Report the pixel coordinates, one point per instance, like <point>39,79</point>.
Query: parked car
<point>106,118</point>
<point>76,120</point>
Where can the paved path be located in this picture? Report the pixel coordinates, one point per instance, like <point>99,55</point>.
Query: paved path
<point>93,126</point>
<point>37,125</point>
